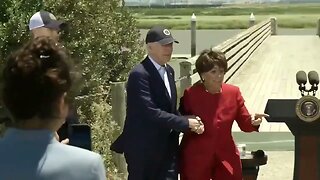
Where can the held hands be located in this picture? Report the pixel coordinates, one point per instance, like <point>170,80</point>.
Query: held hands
<point>256,119</point>
<point>195,124</point>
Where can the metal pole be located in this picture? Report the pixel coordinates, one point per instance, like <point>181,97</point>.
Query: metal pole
<point>193,34</point>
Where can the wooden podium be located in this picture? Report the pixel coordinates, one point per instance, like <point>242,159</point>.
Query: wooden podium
<point>307,137</point>
<point>250,166</point>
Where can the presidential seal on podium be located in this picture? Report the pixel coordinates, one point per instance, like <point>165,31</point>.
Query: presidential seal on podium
<point>307,108</point>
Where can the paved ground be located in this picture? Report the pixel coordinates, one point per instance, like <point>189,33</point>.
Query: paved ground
<point>279,166</point>
<point>270,73</point>
<point>267,141</point>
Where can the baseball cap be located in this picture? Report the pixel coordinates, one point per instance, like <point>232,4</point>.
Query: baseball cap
<point>45,19</point>
<point>161,35</point>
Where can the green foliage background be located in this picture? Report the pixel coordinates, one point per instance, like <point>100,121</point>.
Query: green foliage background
<point>104,42</point>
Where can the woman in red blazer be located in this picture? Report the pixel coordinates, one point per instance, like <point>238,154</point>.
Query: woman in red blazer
<point>213,154</point>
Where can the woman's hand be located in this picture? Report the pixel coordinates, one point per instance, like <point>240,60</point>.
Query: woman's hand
<point>195,124</point>
<point>200,127</point>
<point>256,119</point>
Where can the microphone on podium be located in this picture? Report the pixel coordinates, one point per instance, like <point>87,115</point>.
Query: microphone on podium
<point>313,78</point>
<point>314,81</point>
<point>308,106</point>
<point>301,78</point>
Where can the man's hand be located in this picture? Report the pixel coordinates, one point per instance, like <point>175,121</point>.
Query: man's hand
<point>256,119</point>
<point>195,124</point>
<point>65,141</point>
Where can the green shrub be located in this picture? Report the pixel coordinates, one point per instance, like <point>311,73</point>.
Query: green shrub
<point>103,41</point>
<point>103,127</point>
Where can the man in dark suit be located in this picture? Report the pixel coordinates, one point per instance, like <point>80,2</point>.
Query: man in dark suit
<point>150,137</point>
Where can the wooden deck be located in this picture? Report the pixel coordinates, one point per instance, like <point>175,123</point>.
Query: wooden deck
<point>271,73</point>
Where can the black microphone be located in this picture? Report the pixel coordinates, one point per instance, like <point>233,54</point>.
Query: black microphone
<point>314,81</point>
<point>301,78</point>
<point>313,78</point>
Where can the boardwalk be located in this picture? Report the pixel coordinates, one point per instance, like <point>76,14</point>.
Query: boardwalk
<point>270,72</point>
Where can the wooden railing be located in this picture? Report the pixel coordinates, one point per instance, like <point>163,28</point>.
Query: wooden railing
<point>237,50</point>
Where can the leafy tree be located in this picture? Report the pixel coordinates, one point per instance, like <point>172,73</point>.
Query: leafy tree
<point>14,24</point>
<point>102,35</point>
<point>102,38</point>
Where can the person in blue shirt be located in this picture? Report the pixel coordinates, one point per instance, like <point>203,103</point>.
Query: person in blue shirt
<point>36,81</point>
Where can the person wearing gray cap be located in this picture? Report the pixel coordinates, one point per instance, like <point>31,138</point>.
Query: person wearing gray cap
<point>150,137</point>
<point>44,23</point>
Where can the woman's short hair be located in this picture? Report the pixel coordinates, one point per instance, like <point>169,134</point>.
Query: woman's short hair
<point>210,58</point>
<point>35,77</point>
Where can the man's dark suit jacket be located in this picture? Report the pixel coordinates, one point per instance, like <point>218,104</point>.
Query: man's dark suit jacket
<point>150,137</point>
